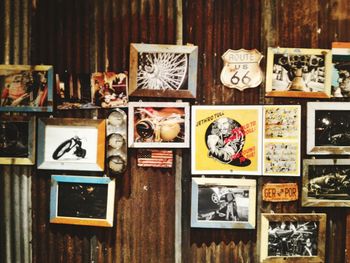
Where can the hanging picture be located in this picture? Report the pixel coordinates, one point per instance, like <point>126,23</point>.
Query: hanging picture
<point>328,128</point>
<point>226,139</point>
<point>163,70</point>
<point>159,124</point>
<point>71,144</point>
<point>326,182</point>
<point>298,72</point>
<point>341,69</point>
<point>281,143</point>
<point>26,88</point>
<point>223,203</point>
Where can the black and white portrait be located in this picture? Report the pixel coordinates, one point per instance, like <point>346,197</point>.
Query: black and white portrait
<point>14,139</point>
<point>293,238</point>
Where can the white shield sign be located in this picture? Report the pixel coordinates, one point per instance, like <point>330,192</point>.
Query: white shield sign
<point>241,69</point>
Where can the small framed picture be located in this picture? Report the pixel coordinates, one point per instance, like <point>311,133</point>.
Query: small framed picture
<point>163,70</point>
<point>326,182</point>
<point>341,69</point>
<point>328,128</point>
<point>293,237</point>
<point>159,124</point>
<point>223,203</point>
<point>226,140</point>
<point>17,140</point>
<point>82,200</point>
<point>298,72</point>
<point>26,88</point>
<point>71,144</point>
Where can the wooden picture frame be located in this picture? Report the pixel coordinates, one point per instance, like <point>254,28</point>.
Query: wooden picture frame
<point>17,140</point>
<point>226,140</point>
<point>71,144</point>
<point>328,128</point>
<point>298,72</point>
<point>25,88</point>
<point>82,200</point>
<point>168,71</point>
<point>223,203</point>
<point>326,183</point>
<point>159,125</point>
<point>307,233</point>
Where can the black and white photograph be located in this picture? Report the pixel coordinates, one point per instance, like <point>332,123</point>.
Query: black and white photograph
<point>222,205</point>
<point>341,69</point>
<point>326,182</point>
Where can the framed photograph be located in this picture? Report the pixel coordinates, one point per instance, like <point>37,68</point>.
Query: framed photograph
<point>226,140</point>
<point>159,124</point>
<point>71,144</point>
<point>26,88</point>
<point>281,146</point>
<point>341,69</point>
<point>223,203</point>
<point>326,182</point>
<point>163,70</point>
<point>328,128</point>
<point>82,200</point>
<point>298,72</point>
<point>17,140</point>
<point>293,237</point>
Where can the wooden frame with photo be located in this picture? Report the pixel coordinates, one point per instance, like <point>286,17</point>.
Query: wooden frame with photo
<point>306,233</point>
<point>226,139</point>
<point>71,144</point>
<point>159,125</point>
<point>298,72</point>
<point>326,183</point>
<point>82,200</point>
<point>328,128</point>
<point>26,88</point>
<point>168,71</point>
<point>223,203</point>
<point>17,140</point>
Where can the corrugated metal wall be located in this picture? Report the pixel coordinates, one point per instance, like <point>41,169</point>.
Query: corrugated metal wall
<point>89,35</point>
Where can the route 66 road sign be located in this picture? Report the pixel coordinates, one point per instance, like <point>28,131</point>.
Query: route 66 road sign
<point>241,69</point>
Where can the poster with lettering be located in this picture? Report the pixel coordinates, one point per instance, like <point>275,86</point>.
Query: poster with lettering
<point>281,140</point>
<point>226,139</point>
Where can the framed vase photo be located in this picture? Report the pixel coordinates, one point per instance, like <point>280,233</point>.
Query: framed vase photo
<point>168,71</point>
<point>328,128</point>
<point>293,237</point>
<point>298,72</point>
<point>82,200</point>
<point>326,183</point>
<point>226,140</point>
<point>17,140</point>
<point>71,144</point>
<point>26,88</point>
<point>159,125</point>
<point>223,203</point>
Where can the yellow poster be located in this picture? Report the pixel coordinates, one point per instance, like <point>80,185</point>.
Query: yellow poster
<point>226,139</point>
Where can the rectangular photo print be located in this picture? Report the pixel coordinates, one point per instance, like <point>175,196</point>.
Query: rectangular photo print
<point>71,144</point>
<point>341,69</point>
<point>223,203</point>
<point>226,139</point>
<point>292,237</point>
<point>159,125</point>
<point>326,182</point>
<point>298,72</point>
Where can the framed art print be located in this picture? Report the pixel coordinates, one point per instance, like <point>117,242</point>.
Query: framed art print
<point>298,72</point>
<point>341,69</point>
<point>71,144</point>
<point>326,182</point>
<point>82,200</point>
<point>226,139</point>
<point>159,124</point>
<point>281,140</point>
<point>17,140</point>
<point>26,88</point>
<point>223,203</point>
<point>293,238</point>
<point>328,128</point>
<point>163,70</point>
